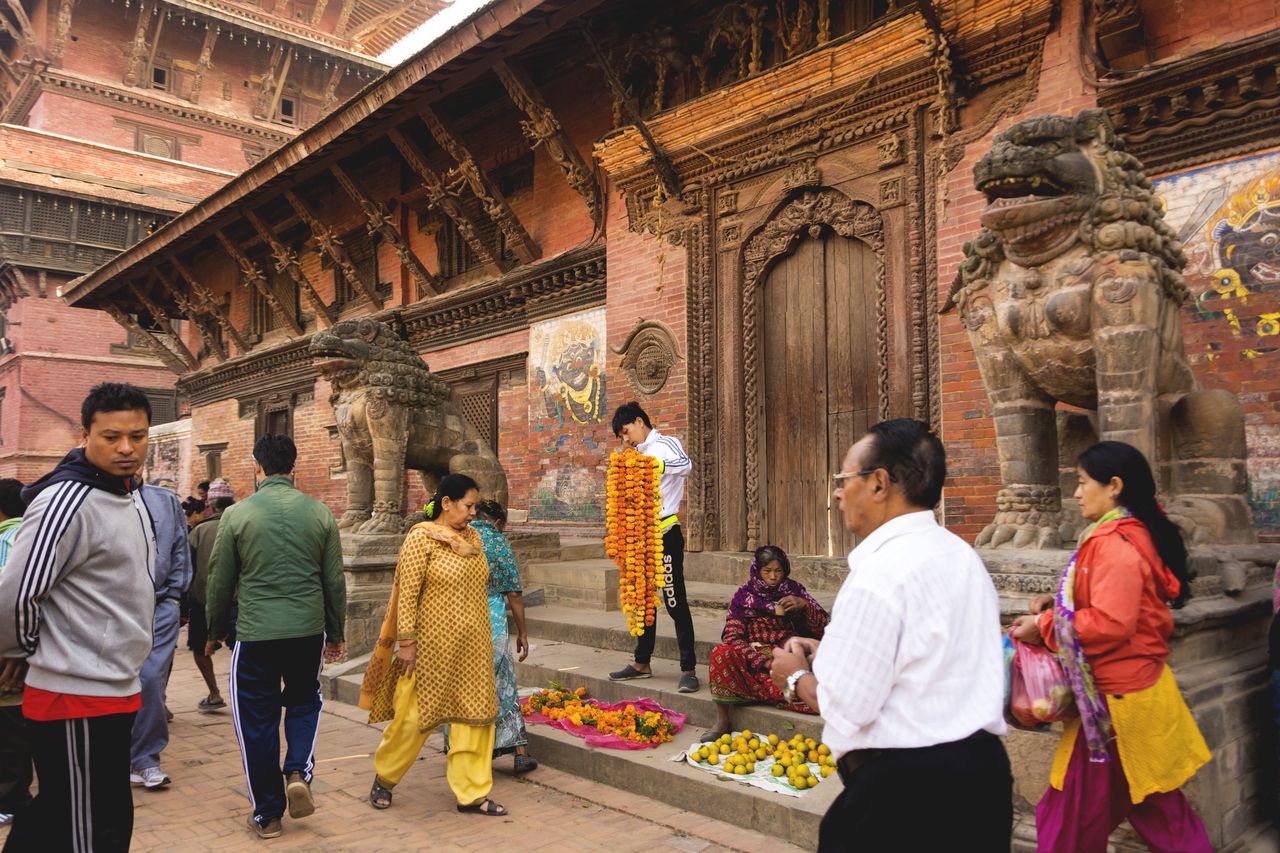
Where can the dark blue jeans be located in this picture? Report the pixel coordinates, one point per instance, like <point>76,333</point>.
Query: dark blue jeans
<point>258,671</point>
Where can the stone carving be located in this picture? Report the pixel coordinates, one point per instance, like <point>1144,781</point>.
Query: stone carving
<point>1072,292</point>
<point>890,150</point>
<point>648,355</point>
<point>393,414</point>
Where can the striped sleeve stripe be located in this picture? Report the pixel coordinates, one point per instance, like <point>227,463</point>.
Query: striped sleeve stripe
<point>675,447</point>
<point>42,563</point>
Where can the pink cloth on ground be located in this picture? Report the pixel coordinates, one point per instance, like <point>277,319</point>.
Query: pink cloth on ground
<point>594,738</point>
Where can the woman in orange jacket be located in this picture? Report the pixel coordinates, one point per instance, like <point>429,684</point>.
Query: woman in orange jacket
<point>1135,743</point>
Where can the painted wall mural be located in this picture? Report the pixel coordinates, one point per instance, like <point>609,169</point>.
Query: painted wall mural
<point>1228,217</point>
<point>567,415</point>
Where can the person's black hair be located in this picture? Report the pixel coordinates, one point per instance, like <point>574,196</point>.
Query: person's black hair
<point>454,487</point>
<point>491,510</point>
<point>193,504</point>
<point>626,414</point>
<point>11,502</point>
<point>1108,459</point>
<point>113,397</point>
<point>276,454</point>
<point>914,457</point>
<point>203,484</point>
<point>766,554</point>
<point>220,504</point>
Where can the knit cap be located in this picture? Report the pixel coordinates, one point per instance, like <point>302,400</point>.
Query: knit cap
<point>220,488</point>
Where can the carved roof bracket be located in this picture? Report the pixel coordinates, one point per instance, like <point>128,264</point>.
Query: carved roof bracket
<point>61,30</point>
<point>287,262</point>
<point>380,222</point>
<point>332,247</point>
<point>158,349</point>
<point>491,198</point>
<point>138,50</point>
<point>438,196</point>
<point>543,128</point>
<point>202,64</point>
<point>140,293</point>
<point>254,277</point>
<point>206,298</point>
<point>193,311</point>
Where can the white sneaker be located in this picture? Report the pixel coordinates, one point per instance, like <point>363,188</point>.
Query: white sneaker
<point>152,777</point>
<point>5,819</point>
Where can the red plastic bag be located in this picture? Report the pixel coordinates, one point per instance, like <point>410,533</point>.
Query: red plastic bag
<point>1039,692</point>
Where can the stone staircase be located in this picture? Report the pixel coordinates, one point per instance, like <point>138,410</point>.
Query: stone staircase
<point>577,636</point>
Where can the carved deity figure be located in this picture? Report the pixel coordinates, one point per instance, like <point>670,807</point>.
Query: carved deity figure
<point>394,414</point>
<point>1072,293</point>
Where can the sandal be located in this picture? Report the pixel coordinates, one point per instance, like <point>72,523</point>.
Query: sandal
<point>205,705</point>
<point>486,807</point>
<point>379,797</point>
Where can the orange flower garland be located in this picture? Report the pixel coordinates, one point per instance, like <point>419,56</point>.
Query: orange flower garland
<point>633,502</point>
<point>628,723</point>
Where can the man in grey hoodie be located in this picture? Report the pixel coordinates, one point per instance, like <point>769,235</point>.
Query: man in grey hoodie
<point>77,600</point>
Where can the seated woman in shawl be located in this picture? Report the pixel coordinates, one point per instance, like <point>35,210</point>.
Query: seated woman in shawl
<point>766,611</point>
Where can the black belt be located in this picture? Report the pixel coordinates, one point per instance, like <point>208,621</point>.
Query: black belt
<point>855,758</point>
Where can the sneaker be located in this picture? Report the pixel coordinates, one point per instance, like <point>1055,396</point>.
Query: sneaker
<point>298,792</point>
<point>5,819</point>
<point>151,777</point>
<point>265,829</point>
<point>688,684</point>
<point>526,763</point>
<point>629,673</point>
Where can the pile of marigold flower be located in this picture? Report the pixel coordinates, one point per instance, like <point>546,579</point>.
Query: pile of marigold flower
<point>628,722</point>
<point>633,502</point>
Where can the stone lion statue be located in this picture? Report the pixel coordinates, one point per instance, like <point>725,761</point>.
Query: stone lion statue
<point>394,414</point>
<point>1071,293</point>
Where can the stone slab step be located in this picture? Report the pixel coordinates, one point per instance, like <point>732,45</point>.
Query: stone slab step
<point>608,630</point>
<point>651,773</point>
<point>576,666</point>
<point>587,583</point>
<point>581,548</point>
<point>734,567</point>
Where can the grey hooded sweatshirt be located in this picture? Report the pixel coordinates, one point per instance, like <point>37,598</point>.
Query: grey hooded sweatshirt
<point>77,597</point>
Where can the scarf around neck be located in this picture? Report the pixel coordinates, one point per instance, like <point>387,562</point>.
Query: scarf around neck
<point>1095,719</point>
<point>757,598</point>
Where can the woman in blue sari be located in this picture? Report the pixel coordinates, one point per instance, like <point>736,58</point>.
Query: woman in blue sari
<point>504,589</point>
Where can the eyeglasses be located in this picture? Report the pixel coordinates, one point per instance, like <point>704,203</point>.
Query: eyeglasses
<point>837,480</point>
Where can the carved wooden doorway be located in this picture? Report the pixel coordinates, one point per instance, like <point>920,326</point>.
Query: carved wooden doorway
<point>820,374</point>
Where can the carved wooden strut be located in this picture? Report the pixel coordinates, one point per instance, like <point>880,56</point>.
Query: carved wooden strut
<point>379,221</point>
<point>206,299</point>
<point>287,262</point>
<point>329,243</point>
<point>158,315</point>
<point>193,310</point>
<point>258,280</point>
<point>491,198</point>
<point>161,351</point>
<point>543,128</point>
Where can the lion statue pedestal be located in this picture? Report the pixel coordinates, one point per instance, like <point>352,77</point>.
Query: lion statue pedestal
<point>1071,295</point>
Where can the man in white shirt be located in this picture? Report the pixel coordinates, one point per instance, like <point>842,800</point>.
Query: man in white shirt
<point>909,676</point>
<point>632,425</point>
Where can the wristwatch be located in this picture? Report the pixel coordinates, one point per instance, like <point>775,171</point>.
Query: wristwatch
<point>789,692</point>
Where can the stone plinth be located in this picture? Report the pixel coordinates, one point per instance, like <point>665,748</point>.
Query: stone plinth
<point>369,565</point>
<point>1219,656</point>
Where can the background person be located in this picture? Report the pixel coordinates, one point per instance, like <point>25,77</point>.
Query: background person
<point>82,559</point>
<point>765,612</point>
<point>202,537</point>
<point>442,671</point>
<point>172,577</point>
<point>632,425</point>
<point>278,559</point>
<point>909,677</point>
<point>1110,625</point>
<point>15,751</point>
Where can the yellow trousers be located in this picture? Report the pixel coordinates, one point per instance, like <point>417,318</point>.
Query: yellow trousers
<point>468,766</point>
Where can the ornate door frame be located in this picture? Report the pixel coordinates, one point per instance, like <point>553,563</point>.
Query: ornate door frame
<point>811,211</point>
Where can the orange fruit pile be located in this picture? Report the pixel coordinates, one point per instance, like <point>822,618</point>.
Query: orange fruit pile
<point>633,502</point>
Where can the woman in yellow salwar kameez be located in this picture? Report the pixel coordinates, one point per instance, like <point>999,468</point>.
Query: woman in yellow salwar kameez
<point>439,605</point>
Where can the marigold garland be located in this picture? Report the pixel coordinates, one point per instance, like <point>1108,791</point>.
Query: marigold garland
<point>633,503</point>
<point>629,723</point>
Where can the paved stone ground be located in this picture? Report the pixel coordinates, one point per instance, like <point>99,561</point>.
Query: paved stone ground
<point>205,807</point>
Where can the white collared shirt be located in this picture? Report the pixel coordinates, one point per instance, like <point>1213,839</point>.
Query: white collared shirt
<point>913,654</point>
<point>676,468</point>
